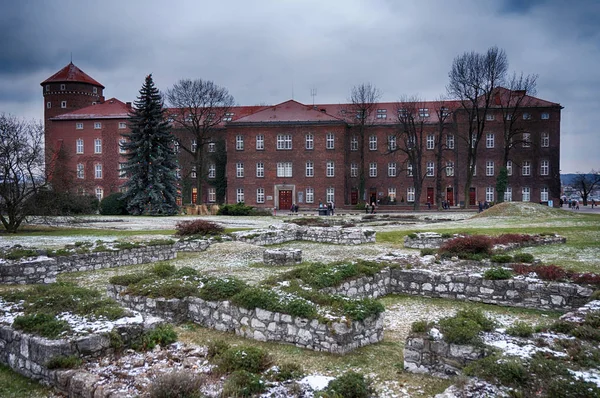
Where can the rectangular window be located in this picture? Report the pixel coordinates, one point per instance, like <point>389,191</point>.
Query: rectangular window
<point>239,145</point>
<point>544,194</point>
<point>526,140</point>
<point>284,141</point>
<point>175,146</point>
<point>99,193</point>
<point>310,169</point>
<point>489,168</point>
<point>372,169</point>
<point>445,111</point>
<point>193,173</point>
<point>79,146</point>
<point>49,105</point>
<point>489,117</point>
<point>409,170</point>
<point>430,141</point>
<point>410,194</point>
<point>260,195</point>
<point>381,113</point>
<point>97,125</point>
<point>545,116</point>
<point>353,170</point>
<point>330,171</point>
<point>260,142</point>
<point>330,195</point>
<point>423,112</point>
<point>212,170</point>
<point>430,169</point>
<point>354,143</point>
<point>122,143</point>
<point>122,125</point>
<point>544,167</point>
<point>392,169</point>
<point>63,87</point>
<point>509,167</point>
<point>310,195</point>
<point>79,126</point>
<point>194,146</point>
<point>98,145</point>
<point>212,195</point>
<point>489,194</point>
<point>80,170</point>
<point>489,140</point>
<point>239,195</point>
<point>508,194</point>
<point>474,169</point>
<point>122,173</point>
<point>228,116</point>
<point>48,87</point>
<point>392,145</point>
<point>450,169</point>
<point>310,141</point>
<point>526,116</point>
<point>98,171</point>
<point>402,113</point>
<point>260,169</point>
<point>373,143</point>
<point>239,170</point>
<point>284,169</point>
<point>545,140</point>
<point>63,104</point>
<point>450,141</point>
<point>392,194</point>
<point>95,90</point>
<point>330,141</point>
<point>526,169</point>
<point>526,194</point>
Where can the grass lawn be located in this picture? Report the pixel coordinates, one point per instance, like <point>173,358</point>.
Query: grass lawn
<point>13,385</point>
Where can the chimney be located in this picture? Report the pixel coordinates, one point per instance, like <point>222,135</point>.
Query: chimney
<point>497,99</point>
<point>128,104</point>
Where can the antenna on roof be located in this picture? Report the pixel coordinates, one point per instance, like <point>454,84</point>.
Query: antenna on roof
<point>71,56</point>
<point>313,94</point>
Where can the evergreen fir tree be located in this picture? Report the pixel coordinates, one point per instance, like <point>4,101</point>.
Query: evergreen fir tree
<point>151,164</point>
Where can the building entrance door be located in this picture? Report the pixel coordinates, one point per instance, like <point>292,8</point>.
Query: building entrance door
<point>450,196</point>
<point>373,197</point>
<point>285,199</point>
<point>472,196</point>
<point>430,195</point>
<point>354,197</point>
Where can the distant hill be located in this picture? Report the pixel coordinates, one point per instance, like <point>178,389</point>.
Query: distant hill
<point>567,179</point>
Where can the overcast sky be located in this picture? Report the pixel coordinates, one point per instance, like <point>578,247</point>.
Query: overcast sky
<point>264,52</point>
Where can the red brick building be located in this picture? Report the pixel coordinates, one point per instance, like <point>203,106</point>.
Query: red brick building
<point>305,154</point>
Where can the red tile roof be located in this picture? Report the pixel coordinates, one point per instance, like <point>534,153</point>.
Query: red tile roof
<point>71,73</point>
<point>505,97</point>
<point>289,112</point>
<point>109,109</point>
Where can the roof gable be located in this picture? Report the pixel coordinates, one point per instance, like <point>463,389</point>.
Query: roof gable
<point>289,112</point>
<point>71,73</point>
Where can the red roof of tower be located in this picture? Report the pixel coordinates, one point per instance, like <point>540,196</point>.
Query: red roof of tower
<point>71,73</point>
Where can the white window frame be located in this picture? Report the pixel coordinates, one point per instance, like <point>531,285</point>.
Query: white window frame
<point>373,169</point>
<point>526,140</point>
<point>489,140</point>
<point>450,141</point>
<point>330,141</point>
<point>423,112</point>
<point>80,171</point>
<point>392,194</point>
<point>284,169</point>
<point>526,168</point>
<point>98,145</point>
<point>430,169</point>
<point>260,142</point>
<point>330,169</point>
<point>526,116</point>
<point>381,113</point>
<point>544,167</point>
<point>309,141</point>
<point>508,194</point>
<point>260,195</point>
<point>63,104</point>
<point>122,125</point>
<point>449,169</point>
<point>392,143</point>
<point>99,193</point>
<point>353,169</point>
<point>509,167</point>
<point>372,143</point>
<point>98,171</point>
<point>392,169</point>
<point>212,170</point>
<point>354,143</point>
<point>63,87</point>
<point>239,170</point>
<point>310,169</point>
<point>545,116</point>
<point>489,168</point>
<point>410,194</point>
<point>526,194</point>
<point>260,170</point>
<point>194,145</point>
<point>545,138</point>
<point>49,105</point>
<point>489,118</point>
<point>122,173</point>
<point>409,169</point>
<point>544,194</point>
<point>330,195</point>
<point>284,142</point>
<point>212,147</point>
<point>79,146</point>
<point>193,173</point>
<point>97,125</point>
<point>228,116</point>
<point>212,194</point>
<point>79,126</point>
<point>310,195</point>
<point>430,141</point>
<point>239,195</point>
<point>94,90</point>
<point>489,194</point>
<point>239,144</point>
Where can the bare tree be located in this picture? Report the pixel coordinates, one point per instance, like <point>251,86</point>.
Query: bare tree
<point>200,106</point>
<point>443,123</point>
<point>586,184</point>
<point>363,102</point>
<point>473,78</point>
<point>21,168</point>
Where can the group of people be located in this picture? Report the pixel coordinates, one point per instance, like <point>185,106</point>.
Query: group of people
<point>370,207</point>
<point>483,205</point>
<point>330,207</point>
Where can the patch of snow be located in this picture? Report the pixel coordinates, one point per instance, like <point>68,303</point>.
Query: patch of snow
<point>316,381</point>
<point>592,375</point>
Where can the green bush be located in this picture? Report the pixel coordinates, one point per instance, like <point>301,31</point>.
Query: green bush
<point>523,258</point>
<point>64,362</point>
<point>428,252</point>
<point>460,331</point>
<point>182,384</point>
<point>221,289</point>
<point>446,235</point>
<point>42,325</point>
<point>162,335</point>
<point>216,348</point>
<point>497,274</point>
<point>248,358</point>
<point>486,324</point>
<point>350,385</point>
<point>520,329</point>
<point>287,371</point>
<point>18,253</point>
<point>412,235</point>
<point>163,270</point>
<point>160,242</point>
<point>242,383</point>
<point>359,310</point>
<point>238,209</point>
<point>595,295</point>
<point>127,245</point>
<point>506,371</point>
<point>127,279</point>
<point>113,205</point>
<point>419,327</point>
<point>186,271</point>
<point>502,258</point>
<point>562,327</point>
<point>570,387</point>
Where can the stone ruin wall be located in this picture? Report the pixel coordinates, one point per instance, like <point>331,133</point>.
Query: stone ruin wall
<point>291,232</point>
<point>433,240</point>
<point>338,337</point>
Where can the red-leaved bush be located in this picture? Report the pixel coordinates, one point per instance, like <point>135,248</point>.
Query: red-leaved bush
<point>550,272</point>
<point>198,227</point>
<point>475,244</point>
<point>592,279</point>
<point>511,238</point>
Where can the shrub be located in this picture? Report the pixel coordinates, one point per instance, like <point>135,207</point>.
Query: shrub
<point>216,348</point>
<point>550,272</point>
<point>475,244</point>
<point>42,325</point>
<point>512,238</point>
<point>162,335</point>
<point>572,388</point>
<point>350,385</point>
<point>419,327</point>
<point>287,371</point>
<point>248,358</point>
<point>181,384</point>
<point>242,383</point>
<point>186,271</point>
<point>221,289</point>
<point>160,242</point>
<point>358,310</point>
<point>497,274</point>
<point>198,227</point>
<point>520,329</point>
<point>64,362</point>
<point>238,209</point>
<point>523,258</point>
<point>113,205</point>
<point>506,371</point>
<point>460,331</point>
<point>586,332</point>
<point>562,327</point>
<point>163,270</point>
<point>255,297</point>
<point>166,288</point>
<point>18,253</point>
<point>588,278</point>
<point>446,235</point>
<point>411,235</point>
<point>595,295</point>
<point>502,258</point>
<point>427,252</point>
<point>486,324</point>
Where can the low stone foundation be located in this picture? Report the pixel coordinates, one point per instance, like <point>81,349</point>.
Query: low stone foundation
<point>336,336</point>
<point>282,257</point>
<point>291,232</point>
<point>434,240</point>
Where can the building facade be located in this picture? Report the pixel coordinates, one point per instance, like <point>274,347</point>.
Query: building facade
<point>292,153</point>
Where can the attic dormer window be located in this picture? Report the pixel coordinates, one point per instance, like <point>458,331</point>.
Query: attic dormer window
<point>95,90</point>
<point>381,113</point>
<point>63,87</point>
<point>48,87</point>
<point>228,117</point>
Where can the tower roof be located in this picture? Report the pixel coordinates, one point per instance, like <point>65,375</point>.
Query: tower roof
<point>71,73</point>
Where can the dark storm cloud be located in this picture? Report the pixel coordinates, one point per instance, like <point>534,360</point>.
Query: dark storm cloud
<point>263,51</point>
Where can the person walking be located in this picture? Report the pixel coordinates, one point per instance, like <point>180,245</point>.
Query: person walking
<point>480,206</point>
<point>372,207</point>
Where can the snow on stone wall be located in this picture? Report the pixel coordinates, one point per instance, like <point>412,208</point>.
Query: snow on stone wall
<point>290,232</point>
